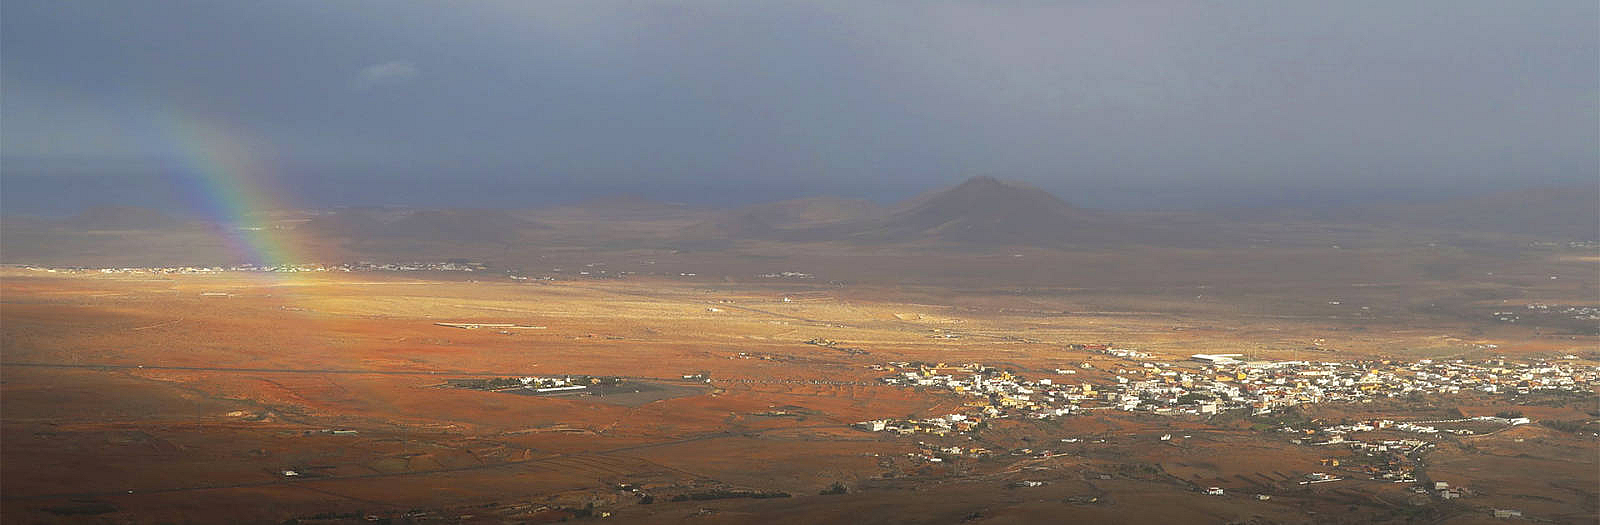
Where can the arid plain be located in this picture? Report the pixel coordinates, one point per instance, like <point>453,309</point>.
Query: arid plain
<point>334,396</point>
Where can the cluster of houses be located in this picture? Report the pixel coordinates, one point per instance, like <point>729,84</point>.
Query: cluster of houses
<point>934,453</point>
<point>787,275</point>
<point>534,384</point>
<point>590,271</point>
<point>1211,383</point>
<point>364,266</point>
<point>1589,313</point>
<point>1390,459</point>
<point>1386,460</point>
<point>1576,245</point>
<point>1444,491</point>
<point>1419,427</point>
<point>1545,311</point>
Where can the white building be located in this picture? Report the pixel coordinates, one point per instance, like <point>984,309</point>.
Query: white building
<point>1217,359</point>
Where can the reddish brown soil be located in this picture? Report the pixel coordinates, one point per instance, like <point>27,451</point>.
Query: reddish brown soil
<point>142,398</point>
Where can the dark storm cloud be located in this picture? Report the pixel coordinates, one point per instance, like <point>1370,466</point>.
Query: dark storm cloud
<point>1104,103</point>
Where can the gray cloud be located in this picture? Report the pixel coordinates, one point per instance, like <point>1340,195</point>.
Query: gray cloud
<point>391,72</point>
<point>1171,102</point>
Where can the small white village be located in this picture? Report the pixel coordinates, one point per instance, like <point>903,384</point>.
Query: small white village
<point>1214,383</point>
<point>1211,384</point>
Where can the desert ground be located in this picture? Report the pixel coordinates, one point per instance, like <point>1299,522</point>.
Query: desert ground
<point>147,397</point>
<point>987,353</point>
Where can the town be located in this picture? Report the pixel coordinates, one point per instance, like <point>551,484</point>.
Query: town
<point>1213,383</point>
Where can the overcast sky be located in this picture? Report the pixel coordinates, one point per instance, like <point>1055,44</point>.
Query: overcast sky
<point>1177,104</point>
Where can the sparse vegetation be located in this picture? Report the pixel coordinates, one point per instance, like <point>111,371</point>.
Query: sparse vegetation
<point>728,494</point>
<point>1574,425</point>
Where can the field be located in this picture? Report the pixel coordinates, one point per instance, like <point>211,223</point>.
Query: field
<point>323,397</point>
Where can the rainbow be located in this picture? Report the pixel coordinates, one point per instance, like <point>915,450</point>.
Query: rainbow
<point>222,176</point>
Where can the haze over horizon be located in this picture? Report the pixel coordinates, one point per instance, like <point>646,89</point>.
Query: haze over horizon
<point>510,104</point>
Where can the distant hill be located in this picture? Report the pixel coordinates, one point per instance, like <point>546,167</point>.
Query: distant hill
<point>812,211</point>
<point>775,218</point>
<point>461,225</point>
<point>122,218</point>
<point>360,222</point>
<point>734,224</point>
<point>469,225</point>
<point>624,207</point>
<point>1570,213</point>
<point>985,210</point>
